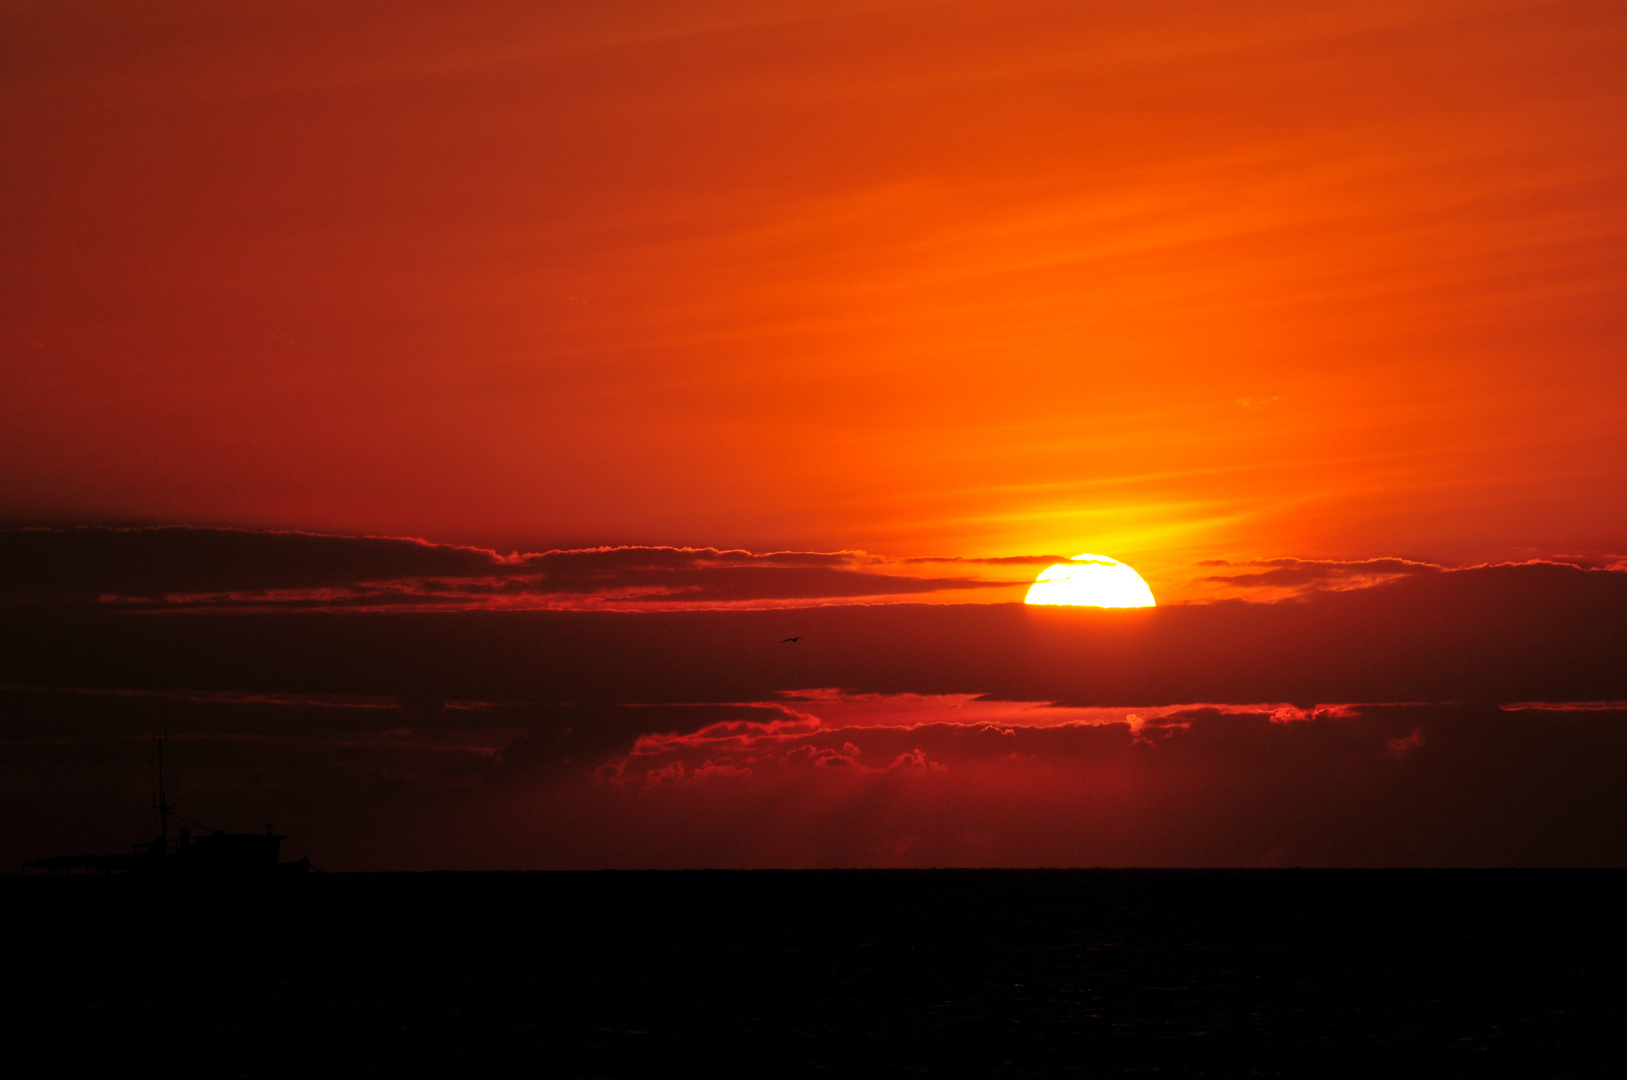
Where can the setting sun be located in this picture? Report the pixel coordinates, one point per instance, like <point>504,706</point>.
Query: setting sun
<point>1091,581</point>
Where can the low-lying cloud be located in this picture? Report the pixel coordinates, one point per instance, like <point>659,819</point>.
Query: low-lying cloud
<point>827,779</point>
<point>216,568</point>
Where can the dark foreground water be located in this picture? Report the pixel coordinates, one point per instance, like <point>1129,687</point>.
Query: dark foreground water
<point>935,973</point>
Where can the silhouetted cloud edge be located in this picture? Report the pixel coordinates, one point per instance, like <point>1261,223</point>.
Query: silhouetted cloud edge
<point>173,566</point>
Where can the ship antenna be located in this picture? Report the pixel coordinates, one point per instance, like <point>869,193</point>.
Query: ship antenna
<point>161,802</point>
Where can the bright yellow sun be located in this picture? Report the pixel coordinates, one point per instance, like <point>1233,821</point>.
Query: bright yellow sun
<point>1091,581</point>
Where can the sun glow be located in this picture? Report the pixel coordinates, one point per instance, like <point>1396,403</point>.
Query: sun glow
<point>1091,581</point>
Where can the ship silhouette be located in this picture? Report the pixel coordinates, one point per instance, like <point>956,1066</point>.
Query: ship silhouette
<point>212,854</point>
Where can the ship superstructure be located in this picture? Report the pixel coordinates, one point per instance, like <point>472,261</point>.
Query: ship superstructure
<point>212,853</point>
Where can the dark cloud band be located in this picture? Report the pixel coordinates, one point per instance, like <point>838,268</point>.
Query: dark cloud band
<point>210,568</point>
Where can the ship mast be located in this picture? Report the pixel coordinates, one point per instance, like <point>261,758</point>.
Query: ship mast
<point>161,801</point>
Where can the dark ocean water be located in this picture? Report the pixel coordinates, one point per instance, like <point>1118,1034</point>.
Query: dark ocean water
<point>911,973</point>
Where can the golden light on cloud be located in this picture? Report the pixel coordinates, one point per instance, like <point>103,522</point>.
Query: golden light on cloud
<point>1091,581</point>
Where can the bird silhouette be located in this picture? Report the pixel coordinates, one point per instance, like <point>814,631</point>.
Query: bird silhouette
<point>791,639</point>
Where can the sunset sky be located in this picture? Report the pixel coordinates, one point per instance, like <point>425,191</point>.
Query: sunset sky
<point>444,411</point>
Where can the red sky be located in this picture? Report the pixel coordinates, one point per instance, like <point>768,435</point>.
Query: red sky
<point>1168,281</point>
<point>753,306</point>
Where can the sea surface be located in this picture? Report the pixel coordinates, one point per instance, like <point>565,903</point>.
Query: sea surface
<point>836,973</point>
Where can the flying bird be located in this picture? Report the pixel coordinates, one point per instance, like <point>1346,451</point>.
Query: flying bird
<point>791,639</point>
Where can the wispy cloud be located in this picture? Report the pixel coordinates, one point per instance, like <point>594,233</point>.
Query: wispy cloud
<point>1276,578</point>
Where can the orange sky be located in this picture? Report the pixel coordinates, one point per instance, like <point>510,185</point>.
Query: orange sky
<point>1166,281</point>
